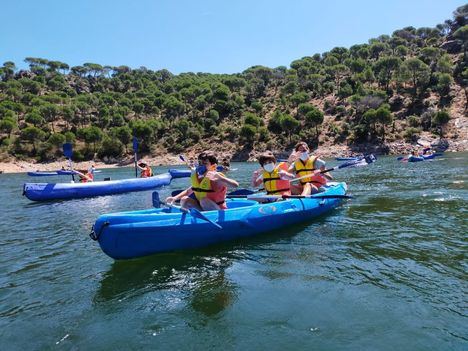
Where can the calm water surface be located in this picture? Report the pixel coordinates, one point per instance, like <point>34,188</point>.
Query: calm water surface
<point>385,271</point>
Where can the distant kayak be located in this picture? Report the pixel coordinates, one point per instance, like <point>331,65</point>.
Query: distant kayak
<point>419,158</point>
<point>64,191</point>
<point>126,235</point>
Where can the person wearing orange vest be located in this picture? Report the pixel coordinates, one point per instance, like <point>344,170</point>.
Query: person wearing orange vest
<point>146,170</point>
<point>274,176</point>
<point>208,189</point>
<point>86,175</point>
<point>303,164</point>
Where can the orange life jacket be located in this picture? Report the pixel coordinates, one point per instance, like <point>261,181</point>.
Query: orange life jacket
<point>85,180</point>
<point>202,188</point>
<point>273,183</point>
<point>147,172</point>
<point>304,168</point>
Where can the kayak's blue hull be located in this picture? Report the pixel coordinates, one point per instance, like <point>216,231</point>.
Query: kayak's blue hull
<point>134,234</point>
<point>64,191</point>
<point>421,158</point>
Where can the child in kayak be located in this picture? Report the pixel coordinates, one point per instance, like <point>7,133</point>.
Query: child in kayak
<point>209,187</point>
<point>146,170</point>
<point>85,175</point>
<point>274,176</point>
<point>303,164</point>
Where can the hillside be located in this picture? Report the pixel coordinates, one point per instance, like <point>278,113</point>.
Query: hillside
<point>382,95</point>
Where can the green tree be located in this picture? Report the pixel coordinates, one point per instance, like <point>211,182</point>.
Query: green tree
<point>416,72</point>
<point>462,35</point>
<point>91,135</point>
<point>385,67</point>
<point>290,125</point>
<point>440,119</point>
<point>33,135</point>
<point>7,125</point>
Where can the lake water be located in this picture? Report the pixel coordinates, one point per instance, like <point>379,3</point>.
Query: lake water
<point>387,270</point>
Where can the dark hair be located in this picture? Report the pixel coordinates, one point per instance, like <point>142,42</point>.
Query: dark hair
<point>266,157</point>
<point>299,144</point>
<point>208,155</point>
<point>142,164</point>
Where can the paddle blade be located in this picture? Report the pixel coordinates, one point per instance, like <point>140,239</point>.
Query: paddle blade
<point>197,214</point>
<point>68,150</point>
<point>135,144</point>
<point>182,158</point>
<point>156,199</point>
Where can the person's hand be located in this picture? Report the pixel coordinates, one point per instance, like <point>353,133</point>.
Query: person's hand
<point>170,200</point>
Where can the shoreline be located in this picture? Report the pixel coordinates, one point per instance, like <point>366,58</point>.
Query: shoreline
<point>324,151</point>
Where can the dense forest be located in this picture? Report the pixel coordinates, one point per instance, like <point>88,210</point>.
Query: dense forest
<point>393,87</point>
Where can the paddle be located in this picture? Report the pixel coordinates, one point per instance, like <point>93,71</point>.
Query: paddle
<point>240,192</point>
<point>68,152</point>
<point>135,150</point>
<point>368,159</point>
<point>192,211</point>
<point>183,159</point>
<point>315,196</point>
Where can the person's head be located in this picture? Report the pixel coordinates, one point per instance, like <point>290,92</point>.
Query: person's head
<point>268,161</point>
<point>226,162</point>
<point>303,149</point>
<point>206,162</point>
<point>208,158</point>
<point>142,164</point>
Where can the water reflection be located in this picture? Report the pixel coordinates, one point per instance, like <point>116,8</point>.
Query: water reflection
<point>198,277</point>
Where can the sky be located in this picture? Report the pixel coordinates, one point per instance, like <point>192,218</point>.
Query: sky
<point>216,36</point>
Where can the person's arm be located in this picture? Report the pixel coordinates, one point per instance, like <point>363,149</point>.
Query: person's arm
<point>256,178</point>
<point>286,175</point>
<point>320,165</point>
<point>172,199</point>
<point>139,167</point>
<point>220,179</point>
<point>293,157</point>
<point>82,175</point>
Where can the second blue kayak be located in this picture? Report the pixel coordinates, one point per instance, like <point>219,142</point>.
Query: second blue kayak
<point>63,191</point>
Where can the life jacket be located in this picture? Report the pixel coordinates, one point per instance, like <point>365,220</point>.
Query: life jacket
<point>85,180</point>
<point>147,172</point>
<point>272,182</point>
<point>202,188</point>
<point>304,168</point>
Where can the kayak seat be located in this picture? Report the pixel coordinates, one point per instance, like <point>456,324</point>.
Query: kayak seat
<point>232,203</point>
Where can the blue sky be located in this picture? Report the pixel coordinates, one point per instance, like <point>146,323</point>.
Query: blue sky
<point>218,36</point>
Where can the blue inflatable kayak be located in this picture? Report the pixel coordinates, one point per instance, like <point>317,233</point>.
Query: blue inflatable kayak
<point>421,158</point>
<point>126,235</point>
<point>62,191</point>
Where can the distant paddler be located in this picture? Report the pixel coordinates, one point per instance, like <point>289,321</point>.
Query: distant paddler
<point>145,169</point>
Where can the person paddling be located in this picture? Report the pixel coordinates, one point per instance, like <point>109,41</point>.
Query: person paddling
<point>146,170</point>
<point>208,188</point>
<point>275,176</point>
<point>85,175</point>
<point>303,164</point>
